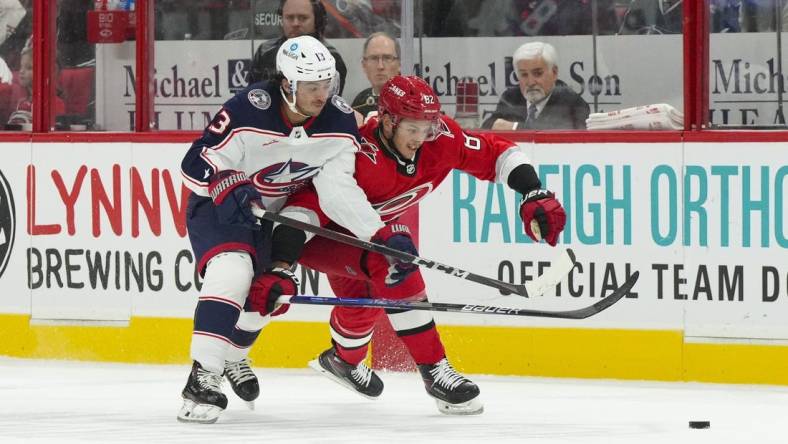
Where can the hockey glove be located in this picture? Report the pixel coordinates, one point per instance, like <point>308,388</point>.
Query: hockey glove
<point>540,208</point>
<point>267,287</point>
<point>397,236</point>
<point>233,195</point>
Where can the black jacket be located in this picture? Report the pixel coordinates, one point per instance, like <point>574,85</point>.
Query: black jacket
<point>565,109</point>
<point>264,62</point>
<point>365,102</point>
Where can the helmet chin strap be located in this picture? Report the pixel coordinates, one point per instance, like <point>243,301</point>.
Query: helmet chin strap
<point>291,105</point>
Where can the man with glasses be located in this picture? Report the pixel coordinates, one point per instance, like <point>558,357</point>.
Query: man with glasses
<point>381,61</point>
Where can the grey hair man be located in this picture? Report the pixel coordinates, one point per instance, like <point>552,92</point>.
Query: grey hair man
<point>540,100</point>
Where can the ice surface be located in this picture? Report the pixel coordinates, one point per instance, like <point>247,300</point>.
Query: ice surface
<point>69,402</point>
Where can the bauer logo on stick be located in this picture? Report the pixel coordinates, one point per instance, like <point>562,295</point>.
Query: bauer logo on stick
<point>7,223</point>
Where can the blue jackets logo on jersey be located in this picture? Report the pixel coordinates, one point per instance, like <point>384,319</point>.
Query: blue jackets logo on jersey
<point>341,105</point>
<point>283,178</point>
<point>7,223</point>
<point>259,98</point>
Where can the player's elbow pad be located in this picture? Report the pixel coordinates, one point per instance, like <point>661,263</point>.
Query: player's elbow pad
<point>523,179</point>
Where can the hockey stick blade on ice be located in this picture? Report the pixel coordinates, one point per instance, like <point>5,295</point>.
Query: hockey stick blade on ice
<point>561,265</point>
<point>580,313</point>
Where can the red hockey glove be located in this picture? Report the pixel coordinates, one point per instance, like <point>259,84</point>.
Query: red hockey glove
<point>540,208</point>
<point>233,195</point>
<point>397,236</point>
<point>267,287</point>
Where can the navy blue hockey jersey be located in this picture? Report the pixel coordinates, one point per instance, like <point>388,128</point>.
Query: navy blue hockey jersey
<point>251,134</point>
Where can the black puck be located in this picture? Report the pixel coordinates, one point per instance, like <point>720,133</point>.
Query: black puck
<point>700,424</point>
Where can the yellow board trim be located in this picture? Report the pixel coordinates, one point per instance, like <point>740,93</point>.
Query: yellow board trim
<point>566,352</point>
<point>152,340</point>
<point>556,352</point>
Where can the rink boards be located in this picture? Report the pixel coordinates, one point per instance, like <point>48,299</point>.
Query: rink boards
<point>95,263</point>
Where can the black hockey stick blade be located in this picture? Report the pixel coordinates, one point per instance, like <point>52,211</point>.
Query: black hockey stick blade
<point>580,313</point>
<point>564,262</point>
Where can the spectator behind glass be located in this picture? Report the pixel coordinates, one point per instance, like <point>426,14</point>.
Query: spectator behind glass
<point>381,61</point>
<point>540,101</point>
<point>16,99</point>
<point>299,17</point>
<point>16,26</point>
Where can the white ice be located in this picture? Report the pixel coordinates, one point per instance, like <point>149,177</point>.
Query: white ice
<point>70,402</point>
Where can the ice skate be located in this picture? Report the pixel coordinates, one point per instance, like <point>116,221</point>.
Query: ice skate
<point>361,379</point>
<point>454,394</point>
<point>203,399</point>
<point>242,380</point>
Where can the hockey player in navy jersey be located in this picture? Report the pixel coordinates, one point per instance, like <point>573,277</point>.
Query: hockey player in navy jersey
<point>266,142</point>
<point>404,156</point>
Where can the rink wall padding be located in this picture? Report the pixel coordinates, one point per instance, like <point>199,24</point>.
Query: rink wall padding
<point>612,353</point>
<point>95,262</point>
<point>555,352</point>
<point>152,340</point>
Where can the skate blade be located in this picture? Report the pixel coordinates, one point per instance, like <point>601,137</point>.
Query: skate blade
<point>472,407</point>
<point>315,365</point>
<point>192,412</point>
<point>249,405</point>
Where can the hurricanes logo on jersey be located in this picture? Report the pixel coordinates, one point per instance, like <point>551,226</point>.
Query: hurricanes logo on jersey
<point>370,150</point>
<point>397,205</point>
<point>7,223</point>
<point>283,178</point>
<point>444,130</point>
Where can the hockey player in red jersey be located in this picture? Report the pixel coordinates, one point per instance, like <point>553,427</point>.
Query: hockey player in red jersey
<point>405,155</point>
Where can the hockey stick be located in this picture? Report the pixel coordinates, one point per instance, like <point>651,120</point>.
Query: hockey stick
<point>580,313</point>
<point>560,266</point>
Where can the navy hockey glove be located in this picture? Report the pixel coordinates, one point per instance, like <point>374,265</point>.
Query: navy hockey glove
<point>267,287</point>
<point>543,216</point>
<point>233,195</point>
<point>397,236</point>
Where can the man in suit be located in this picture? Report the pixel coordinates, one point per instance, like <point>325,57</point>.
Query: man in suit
<point>540,101</point>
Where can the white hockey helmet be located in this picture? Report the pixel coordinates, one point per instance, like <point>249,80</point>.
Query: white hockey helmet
<point>305,59</point>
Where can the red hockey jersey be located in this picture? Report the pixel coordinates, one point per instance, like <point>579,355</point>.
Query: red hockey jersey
<point>393,184</point>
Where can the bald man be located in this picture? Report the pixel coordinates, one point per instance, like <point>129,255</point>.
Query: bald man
<point>381,61</point>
